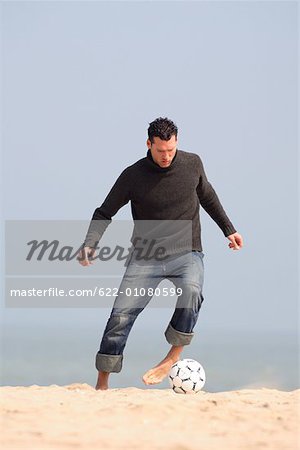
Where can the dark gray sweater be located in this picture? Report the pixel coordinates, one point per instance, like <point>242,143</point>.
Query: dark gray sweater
<point>162,193</point>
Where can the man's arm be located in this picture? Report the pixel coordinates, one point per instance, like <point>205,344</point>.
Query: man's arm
<point>211,203</point>
<point>118,196</point>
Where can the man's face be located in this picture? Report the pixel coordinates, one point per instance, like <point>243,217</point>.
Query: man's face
<point>163,151</point>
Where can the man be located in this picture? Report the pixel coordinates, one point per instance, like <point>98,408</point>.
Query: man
<point>167,184</point>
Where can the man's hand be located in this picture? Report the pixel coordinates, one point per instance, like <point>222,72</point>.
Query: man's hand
<point>84,256</point>
<point>236,241</point>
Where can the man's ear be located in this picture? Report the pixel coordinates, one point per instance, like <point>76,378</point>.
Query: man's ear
<point>148,144</point>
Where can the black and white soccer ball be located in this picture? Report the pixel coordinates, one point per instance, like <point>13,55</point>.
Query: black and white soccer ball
<point>186,376</point>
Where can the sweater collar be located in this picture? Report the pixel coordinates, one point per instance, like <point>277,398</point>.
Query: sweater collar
<point>156,167</point>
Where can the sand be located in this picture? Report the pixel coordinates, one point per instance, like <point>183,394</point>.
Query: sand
<point>76,416</point>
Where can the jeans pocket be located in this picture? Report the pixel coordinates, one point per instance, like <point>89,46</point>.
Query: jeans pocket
<point>198,253</point>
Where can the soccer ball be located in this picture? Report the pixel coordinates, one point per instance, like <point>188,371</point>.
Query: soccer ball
<point>186,376</point>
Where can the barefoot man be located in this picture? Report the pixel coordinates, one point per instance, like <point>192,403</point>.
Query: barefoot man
<point>167,184</point>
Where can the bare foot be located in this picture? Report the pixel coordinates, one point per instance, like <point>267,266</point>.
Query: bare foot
<point>102,382</point>
<point>159,372</point>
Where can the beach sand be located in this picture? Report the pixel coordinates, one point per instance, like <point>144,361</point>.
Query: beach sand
<point>76,416</point>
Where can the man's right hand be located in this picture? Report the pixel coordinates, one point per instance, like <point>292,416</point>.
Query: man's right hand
<point>84,256</point>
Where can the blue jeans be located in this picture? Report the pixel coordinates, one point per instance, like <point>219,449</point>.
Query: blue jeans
<point>185,271</point>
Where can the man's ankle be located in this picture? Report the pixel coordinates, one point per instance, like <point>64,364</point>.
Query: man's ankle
<point>102,382</point>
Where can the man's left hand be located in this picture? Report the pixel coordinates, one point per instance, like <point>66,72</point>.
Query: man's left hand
<point>236,241</point>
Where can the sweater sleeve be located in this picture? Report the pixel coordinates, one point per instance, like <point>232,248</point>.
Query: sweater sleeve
<point>117,197</point>
<point>210,202</point>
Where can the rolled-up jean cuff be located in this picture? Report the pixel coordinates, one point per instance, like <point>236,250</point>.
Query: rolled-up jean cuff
<point>177,338</point>
<point>109,363</point>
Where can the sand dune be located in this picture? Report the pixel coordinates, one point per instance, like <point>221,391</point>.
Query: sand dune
<point>76,416</point>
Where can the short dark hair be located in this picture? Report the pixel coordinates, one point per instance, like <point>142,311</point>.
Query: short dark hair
<point>163,128</point>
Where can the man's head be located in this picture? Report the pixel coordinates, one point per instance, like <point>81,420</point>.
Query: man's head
<point>162,141</point>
